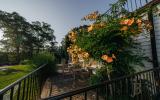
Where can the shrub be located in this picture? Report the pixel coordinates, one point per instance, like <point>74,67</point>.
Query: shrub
<point>45,58</point>
<point>26,62</point>
<point>100,76</point>
<point>3,58</point>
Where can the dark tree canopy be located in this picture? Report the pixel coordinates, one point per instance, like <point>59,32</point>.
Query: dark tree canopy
<point>23,39</point>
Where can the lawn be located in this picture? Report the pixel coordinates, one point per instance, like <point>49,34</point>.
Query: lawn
<point>13,73</point>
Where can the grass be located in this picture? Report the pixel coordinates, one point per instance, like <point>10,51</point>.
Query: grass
<point>12,74</point>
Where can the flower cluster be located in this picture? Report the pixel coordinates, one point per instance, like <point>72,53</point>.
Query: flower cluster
<point>96,26</point>
<point>92,16</point>
<point>108,59</point>
<point>76,53</point>
<point>139,22</point>
<point>72,36</point>
<point>128,22</point>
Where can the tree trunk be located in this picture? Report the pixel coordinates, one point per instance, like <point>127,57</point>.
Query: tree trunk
<point>31,51</point>
<point>17,54</point>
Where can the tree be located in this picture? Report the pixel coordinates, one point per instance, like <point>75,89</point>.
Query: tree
<point>12,25</point>
<point>21,37</point>
<point>44,35</point>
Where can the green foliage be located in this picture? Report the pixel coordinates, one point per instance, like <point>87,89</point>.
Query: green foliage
<point>24,39</point>
<point>3,58</point>
<point>26,62</point>
<point>114,40</point>
<point>12,74</point>
<point>110,40</point>
<point>7,58</point>
<point>45,58</point>
<point>99,77</point>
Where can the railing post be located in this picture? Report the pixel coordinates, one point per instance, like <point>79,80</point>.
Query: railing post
<point>24,86</point>
<point>11,94</point>
<point>1,96</point>
<point>85,96</point>
<point>153,40</point>
<point>153,45</point>
<point>19,89</point>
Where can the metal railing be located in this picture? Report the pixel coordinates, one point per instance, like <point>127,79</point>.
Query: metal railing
<point>140,86</point>
<point>26,88</point>
<point>120,8</point>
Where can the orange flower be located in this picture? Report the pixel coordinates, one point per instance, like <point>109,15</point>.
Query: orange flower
<point>92,16</point>
<point>128,22</point>
<point>72,36</point>
<point>90,28</point>
<point>104,57</point>
<point>124,22</point>
<point>109,60</point>
<point>124,28</point>
<point>139,21</point>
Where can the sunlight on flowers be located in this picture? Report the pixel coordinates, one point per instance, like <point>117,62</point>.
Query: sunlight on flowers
<point>96,26</point>
<point>108,59</point>
<point>72,36</point>
<point>77,53</point>
<point>128,22</point>
<point>90,28</point>
<point>92,16</point>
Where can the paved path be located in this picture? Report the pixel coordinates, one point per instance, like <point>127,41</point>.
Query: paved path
<point>4,67</point>
<point>60,84</point>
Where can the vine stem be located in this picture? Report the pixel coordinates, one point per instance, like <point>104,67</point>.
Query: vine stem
<point>109,78</point>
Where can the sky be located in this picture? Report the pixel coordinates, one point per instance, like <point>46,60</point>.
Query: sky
<point>62,15</point>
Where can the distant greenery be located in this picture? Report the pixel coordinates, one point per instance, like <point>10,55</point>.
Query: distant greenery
<point>13,73</point>
<point>27,62</point>
<point>22,39</point>
<point>45,58</point>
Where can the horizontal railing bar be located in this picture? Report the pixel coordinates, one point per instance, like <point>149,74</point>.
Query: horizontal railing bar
<point>142,7</point>
<point>88,88</point>
<point>19,80</point>
<point>153,2</point>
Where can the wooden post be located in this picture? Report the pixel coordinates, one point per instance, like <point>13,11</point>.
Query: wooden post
<point>153,40</point>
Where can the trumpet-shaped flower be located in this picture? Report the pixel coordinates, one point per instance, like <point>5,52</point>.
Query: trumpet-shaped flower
<point>104,57</point>
<point>92,16</point>
<point>107,58</point>
<point>72,36</point>
<point>128,22</point>
<point>90,28</point>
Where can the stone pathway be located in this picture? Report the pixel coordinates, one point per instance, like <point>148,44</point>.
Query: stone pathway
<point>61,84</point>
